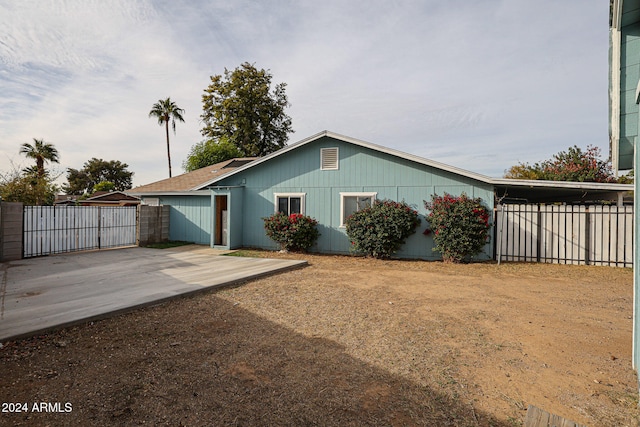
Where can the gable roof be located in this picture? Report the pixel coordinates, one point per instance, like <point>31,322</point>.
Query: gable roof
<point>206,177</point>
<point>192,180</point>
<point>502,182</point>
<point>380,148</point>
<point>112,196</point>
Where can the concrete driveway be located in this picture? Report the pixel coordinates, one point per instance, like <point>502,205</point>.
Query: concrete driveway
<point>39,294</point>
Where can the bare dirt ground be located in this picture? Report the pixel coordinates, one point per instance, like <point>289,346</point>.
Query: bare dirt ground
<point>347,341</point>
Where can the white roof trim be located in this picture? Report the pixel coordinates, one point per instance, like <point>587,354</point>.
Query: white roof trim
<point>170,193</point>
<point>452,169</point>
<point>562,184</point>
<point>396,153</point>
<point>617,14</point>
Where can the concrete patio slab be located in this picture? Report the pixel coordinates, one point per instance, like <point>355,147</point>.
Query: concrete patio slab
<point>40,294</point>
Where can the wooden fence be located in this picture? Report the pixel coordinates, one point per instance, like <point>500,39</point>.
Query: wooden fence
<point>57,229</point>
<point>565,234</point>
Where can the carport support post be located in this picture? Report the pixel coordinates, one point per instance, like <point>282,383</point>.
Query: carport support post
<point>538,231</point>
<point>499,242</point>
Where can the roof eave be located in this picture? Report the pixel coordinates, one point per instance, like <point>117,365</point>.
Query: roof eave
<point>602,186</point>
<point>170,193</point>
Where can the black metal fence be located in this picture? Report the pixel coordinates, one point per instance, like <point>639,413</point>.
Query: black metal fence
<point>566,234</point>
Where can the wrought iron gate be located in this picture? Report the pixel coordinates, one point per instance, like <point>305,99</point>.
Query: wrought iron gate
<point>57,229</point>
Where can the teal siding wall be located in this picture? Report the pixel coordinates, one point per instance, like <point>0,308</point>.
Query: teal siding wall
<point>236,202</point>
<point>360,170</point>
<point>189,218</point>
<point>629,76</point>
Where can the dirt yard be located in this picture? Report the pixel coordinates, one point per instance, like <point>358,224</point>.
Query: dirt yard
<point>347,342</point>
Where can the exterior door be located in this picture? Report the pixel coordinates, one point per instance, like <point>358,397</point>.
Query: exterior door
<point>222,227</point>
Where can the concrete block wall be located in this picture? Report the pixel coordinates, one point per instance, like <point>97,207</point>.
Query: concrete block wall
<point>153,224</point>
<point>165,223</point>
<point>11,218</point>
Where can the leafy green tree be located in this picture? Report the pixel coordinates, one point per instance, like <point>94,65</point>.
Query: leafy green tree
<point>33,170</point>
<point>167,111</point>
<point>241,106</point>
<point>210,152</point>
<point>28,188</point>
<point>571,165</point>
<point>524,171</point>
<point>95,171</point>
<point>42,152</point>
<point>104,186</point>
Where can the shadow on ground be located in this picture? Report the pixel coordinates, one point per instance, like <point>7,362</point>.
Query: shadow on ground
<point>222,365</point>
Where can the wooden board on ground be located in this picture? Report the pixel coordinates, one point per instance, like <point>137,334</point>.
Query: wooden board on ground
<point>536,417</point>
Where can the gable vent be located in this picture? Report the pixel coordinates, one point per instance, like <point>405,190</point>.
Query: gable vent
<point>329,158</point>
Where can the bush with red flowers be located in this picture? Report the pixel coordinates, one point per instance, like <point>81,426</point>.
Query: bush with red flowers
<point>295,232</point>
<point>380,230</point>
<point>460,226</point>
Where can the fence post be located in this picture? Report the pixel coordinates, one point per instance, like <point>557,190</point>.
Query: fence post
<point>99,226</point>
<point>539,233</point>
<point>138,208</point>
<point>587,236</point>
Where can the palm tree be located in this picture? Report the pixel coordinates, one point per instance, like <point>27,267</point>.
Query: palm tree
<point>33,171</point>
<point>42,152</point>
<point>165,111</point>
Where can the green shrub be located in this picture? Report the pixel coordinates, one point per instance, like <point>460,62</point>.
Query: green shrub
<point>380,230</point>
<point>294,232</point>
<point>460,226</point>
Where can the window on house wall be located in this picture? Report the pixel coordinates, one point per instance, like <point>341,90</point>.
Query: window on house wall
<point>329,158</point>
<point>354,202</point>
<point>289,203</point>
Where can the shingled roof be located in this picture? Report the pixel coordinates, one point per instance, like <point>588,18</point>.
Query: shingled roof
<point>192,180</point>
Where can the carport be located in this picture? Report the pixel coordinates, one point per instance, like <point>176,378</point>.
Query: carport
<point>40,294</point>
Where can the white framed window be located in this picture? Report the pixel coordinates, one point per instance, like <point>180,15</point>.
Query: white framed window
<point>329,159</point>
<point>289,203</point>
<point>353,202</point>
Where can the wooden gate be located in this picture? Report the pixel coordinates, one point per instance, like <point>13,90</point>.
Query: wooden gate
<point>57,229</point>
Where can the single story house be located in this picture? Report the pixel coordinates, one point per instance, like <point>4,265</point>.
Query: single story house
<point>329,176</point>
<point>190,215</point>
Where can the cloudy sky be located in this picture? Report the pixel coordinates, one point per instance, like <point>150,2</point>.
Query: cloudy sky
<point>477,84</point>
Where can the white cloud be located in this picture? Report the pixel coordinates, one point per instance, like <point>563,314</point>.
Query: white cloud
<point>478,85</point>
